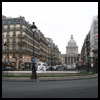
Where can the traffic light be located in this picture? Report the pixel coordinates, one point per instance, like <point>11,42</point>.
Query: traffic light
<point>88,56</point>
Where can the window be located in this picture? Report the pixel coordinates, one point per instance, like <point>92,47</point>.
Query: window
<point>17,25</point>
<point>8,33</point>
<point>5,26</point>
<point>17,33</point>
<point>11,26</point>
<point>15,20</point>
<point>7,48</point>
<point>14,48</point>
<point>8,21</point>
<point>3,22</point>
<point>14,33</point>
<point>23,26</point>
<point>11,33</point>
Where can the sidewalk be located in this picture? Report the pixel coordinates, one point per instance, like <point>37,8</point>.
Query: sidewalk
<point>40,79</point>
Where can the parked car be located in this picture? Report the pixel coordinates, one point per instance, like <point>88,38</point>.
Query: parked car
<point>41,66</point>
<point>49,68</point>
<point>69,67</point>
<point>55,67</point>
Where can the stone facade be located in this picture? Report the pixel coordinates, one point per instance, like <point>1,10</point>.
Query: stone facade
<point>94,39</point>
<point>20,43</point>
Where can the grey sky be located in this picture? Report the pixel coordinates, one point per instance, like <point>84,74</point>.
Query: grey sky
<point>57,20</point>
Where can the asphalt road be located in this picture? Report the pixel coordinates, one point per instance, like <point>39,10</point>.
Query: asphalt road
<point>54,89</point>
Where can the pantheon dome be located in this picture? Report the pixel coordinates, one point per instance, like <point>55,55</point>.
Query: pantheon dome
<point>72,46</point>
<point>72,42</point>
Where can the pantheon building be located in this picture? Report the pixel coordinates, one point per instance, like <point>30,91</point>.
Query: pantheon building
<point>71,56</point>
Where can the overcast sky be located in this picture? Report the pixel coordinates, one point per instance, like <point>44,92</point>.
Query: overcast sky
<point>56,20</point>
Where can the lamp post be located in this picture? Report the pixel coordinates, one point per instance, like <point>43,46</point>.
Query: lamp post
<point>34,76</point>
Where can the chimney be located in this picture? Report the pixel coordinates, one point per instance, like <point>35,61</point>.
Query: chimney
<point>22,17</point>
<point>3,16</point>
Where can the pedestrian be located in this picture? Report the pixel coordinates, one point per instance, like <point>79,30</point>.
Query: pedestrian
<point>92,66</point>
<point>96,66</point>
<point>84,66</point>
<point>87,67</point>
<point>81,66</point>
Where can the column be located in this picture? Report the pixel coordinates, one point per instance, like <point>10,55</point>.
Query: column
<point>73,60</point>
<point>67,60</point>
<point>70,60</point>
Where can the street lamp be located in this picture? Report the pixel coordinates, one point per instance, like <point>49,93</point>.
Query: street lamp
<point>34,76</point>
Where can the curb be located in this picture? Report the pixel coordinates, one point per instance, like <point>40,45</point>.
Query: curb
<point>66,79</point>
<point>44,79</point>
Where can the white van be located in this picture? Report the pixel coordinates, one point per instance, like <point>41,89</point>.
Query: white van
<point>41,66</point>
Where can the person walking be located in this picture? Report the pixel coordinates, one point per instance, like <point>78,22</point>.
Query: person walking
<point>92,66</point>
<point>96,66</point>
<point>87,67</point>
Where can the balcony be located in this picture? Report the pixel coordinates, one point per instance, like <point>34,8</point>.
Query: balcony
<point>20,36</point>
<point>24,43</point>
<point>5,50</point>
<point>13,42</point>
<point>19,43</point>
<point>14,35</point>
<point>8,36</point>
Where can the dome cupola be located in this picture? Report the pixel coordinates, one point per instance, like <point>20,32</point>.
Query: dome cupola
<point>72,42</point>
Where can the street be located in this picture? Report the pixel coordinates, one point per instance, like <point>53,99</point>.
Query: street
<point>87,88</point>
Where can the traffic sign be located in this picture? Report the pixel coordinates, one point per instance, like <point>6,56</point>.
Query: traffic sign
<point>32,59</point>
<point>96,35</point>
<point>88,56</point>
